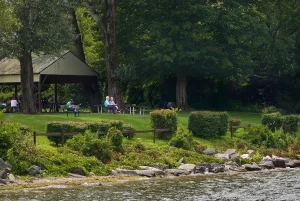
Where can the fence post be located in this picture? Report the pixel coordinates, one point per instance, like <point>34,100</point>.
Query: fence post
<point>231,131</point>
<point>62,138</point>
<point>34,138</point>
<point>154,133</point>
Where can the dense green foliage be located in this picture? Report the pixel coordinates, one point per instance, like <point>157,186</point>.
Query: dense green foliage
<point>273,121</point>
<point>81,127</point>
<point>290,123</point>
<point>208,124</point>
<point>90,145</point>
<point>115,137</point>
<point>164,119</point>
<point>183,138</point>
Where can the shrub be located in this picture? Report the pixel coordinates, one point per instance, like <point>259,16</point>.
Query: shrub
<point>116,137</point>
<point>290,123</point>
<point>128,127</point>
<point>273,121</point>
<point>89,145</point>
<point>7,134</point>
<point>208,124</point>
<point>164,119</point>
<point>281,140</point>
<point>79,128</point>
<point>183,138</point>
<point>259,136</point>
<point>234,122</point>
<point>270,110</point>
<point>23,153</point>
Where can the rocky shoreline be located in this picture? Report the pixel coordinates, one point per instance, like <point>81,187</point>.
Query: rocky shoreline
<point>230,165</point>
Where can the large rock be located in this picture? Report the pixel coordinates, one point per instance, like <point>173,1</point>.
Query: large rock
<point>279,162</point>
<point>251,152</point>
<point>177,172</point>
<point>11,178</point>
<point>34,170</point>
<point>215,168</point>
<point>252,167</point>
<point>267,158</point>
<point>187,167</point>
<point>181,160</point>
<point>234,157</point>
<point>230,152</point>
<point>267,164</point>
<point>293,163</point>
<point>160,166</point>
<point>245,156</point>
<point>78,171</point>
<point>4,165</point>
<point>235,167</point>
<point>224,157</point>
<point>202,168</point>
<point>209,151</point>
<point>4,173</point>
<point>76,175</point>
<point>149,168</point>
<point>124,171</point>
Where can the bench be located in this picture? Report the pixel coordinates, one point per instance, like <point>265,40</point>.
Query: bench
<point>64,109</point>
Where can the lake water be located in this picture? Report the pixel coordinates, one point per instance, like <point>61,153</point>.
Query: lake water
<point>265,185</point>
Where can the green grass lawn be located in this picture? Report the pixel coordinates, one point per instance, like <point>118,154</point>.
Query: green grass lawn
<point>38,123</point>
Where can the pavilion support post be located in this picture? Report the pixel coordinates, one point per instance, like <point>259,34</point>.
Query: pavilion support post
<point>39,95</point>
<point>55,97</point>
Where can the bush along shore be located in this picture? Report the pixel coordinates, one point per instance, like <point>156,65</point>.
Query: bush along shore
<point>230,161</point>
<point>88,155</point>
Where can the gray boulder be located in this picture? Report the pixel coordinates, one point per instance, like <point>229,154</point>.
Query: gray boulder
<point>34,170</point>
<point>78,171</point>
<point>246,156</point>
<point>4,165</point>
<point>267,164</point>
<point>202,168</point>
<point>11,178</point>
<point>181,160</point>
<point>279,162</point>
<point>4,173</point>
<point>160,166</point>
<point>224,157</point>
<point>235,167</point>
<point>252,167</point>
<point>234,157</point>
<point>267,158</point>
<point>209,151</point>
<point>230,152</point>
<point>293,163</point>
<point>177,172</point>
<point>215,168</point>
<point>124,171</point>
<point>76,175</point>
<point>187,167</point>
<point>251,152</point>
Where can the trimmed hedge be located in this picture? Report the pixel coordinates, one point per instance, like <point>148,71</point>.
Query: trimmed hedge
<point>290,123</point>
<point>81,127</point>
<point>208,124</point>
<point>272,121</point>
<point>164,119</point>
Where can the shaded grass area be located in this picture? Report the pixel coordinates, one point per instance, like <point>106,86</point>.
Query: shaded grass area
<point>38,123</point>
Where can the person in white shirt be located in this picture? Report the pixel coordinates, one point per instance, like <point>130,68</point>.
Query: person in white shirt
<point>14,105</point>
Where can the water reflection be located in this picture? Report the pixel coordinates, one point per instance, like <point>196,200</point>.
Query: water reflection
<point>266,185</point>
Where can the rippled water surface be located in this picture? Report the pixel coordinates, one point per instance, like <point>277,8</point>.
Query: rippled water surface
<point>282,185</point>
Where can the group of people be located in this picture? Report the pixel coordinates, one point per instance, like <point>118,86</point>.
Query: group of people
<point>110,104</point>
<point>12,105</point>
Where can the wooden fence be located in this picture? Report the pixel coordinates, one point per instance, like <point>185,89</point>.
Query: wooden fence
<point>63,134</point>
<point>233,128</point>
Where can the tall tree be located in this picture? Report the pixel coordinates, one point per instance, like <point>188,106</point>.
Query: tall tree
<point>42,28</point>
<point>104,14</point>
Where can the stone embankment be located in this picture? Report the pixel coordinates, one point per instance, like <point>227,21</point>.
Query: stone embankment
<point>231,160</point>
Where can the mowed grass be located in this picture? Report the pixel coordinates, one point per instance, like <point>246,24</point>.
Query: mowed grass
<point>140,122</point>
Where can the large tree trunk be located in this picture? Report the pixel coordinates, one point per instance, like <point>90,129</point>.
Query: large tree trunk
<point>107,25</point>
<point>181,82</point>
<point>110,47</point>
<point>92,94</point>
<point>27,83</point>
